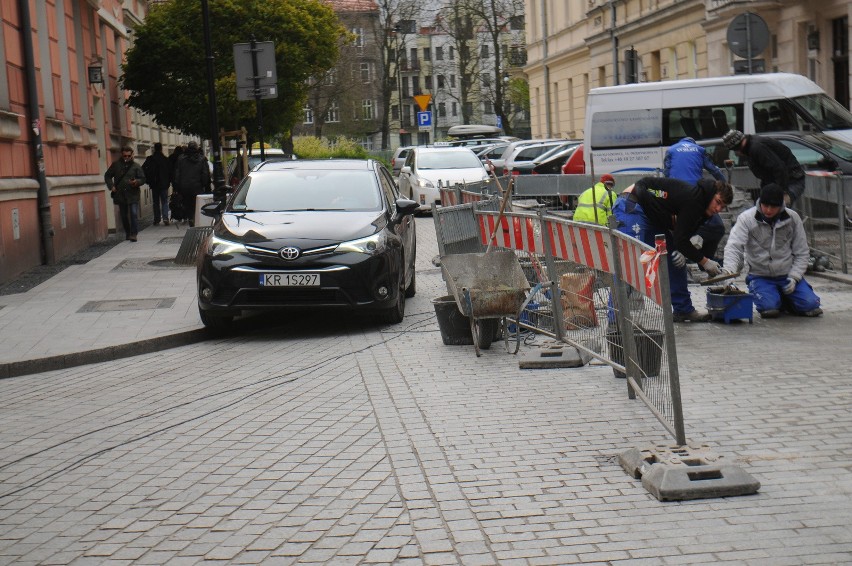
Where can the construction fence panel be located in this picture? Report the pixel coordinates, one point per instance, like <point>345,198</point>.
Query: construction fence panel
<point>603,294</point>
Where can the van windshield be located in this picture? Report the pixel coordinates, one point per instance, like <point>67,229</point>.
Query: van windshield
<point>825,111</point>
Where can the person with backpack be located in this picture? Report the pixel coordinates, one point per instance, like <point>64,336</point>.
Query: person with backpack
<point>123,179</point>
<point>192,178</point>
<point>156,168</point>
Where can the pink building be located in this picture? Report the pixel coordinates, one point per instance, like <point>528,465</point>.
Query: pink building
<point>77,49</point>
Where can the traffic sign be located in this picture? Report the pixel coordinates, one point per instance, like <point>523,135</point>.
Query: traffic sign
<point>424,120</point>
<point>251,85</point>
<point>748,35</point>
<point>423,100</point>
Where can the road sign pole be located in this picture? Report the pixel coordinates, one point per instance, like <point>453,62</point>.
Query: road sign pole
<point>257,102</point>
<point>748,39</point>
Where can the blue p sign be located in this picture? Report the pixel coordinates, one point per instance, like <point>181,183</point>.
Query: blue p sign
<point>424,118</point>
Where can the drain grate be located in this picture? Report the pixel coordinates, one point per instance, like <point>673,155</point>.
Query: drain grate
<point>149,265</point>
<point>128,305</point>
<point>171,240</point>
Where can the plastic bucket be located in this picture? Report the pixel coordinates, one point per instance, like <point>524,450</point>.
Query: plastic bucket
<point>455,327</point>
<point>649,350</point>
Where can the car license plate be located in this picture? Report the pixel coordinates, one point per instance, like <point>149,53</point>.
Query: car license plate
<point>289,280</point>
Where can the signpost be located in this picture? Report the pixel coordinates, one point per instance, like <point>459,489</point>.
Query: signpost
<point>257,78</point>
<point>748,36</point>
<point>424,121</point>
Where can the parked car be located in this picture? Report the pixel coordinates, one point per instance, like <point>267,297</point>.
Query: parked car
<point>426,167</point>
<point>575,164</point>
<point>313,233</point>
<point>548,163</point>
<point>493,151</point>
<point>529,152</point>
<point>398,159</point>
<point>233,176</point>
<point>500,161</point>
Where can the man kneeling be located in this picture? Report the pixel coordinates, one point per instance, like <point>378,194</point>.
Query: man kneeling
<point>771,239</point>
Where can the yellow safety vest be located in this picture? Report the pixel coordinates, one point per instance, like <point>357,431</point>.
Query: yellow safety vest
<point>595,205</point>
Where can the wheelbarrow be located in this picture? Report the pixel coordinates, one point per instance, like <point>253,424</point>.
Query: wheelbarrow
<point>488,285</point>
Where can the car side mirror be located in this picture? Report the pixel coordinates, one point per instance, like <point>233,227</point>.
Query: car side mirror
<point>212,209</point>
<point>405,169</point>
<point>405,207</point>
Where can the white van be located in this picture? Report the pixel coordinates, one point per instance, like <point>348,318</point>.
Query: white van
<point>629,127</point>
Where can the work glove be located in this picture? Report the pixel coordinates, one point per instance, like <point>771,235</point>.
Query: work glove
<point>678,259</point>
<point>697,241</point>
<point>712,267</point>
<point>789,285</point>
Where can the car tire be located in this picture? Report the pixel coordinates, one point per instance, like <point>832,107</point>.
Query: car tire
<point>219,324</point>
<point>411,290</point>
<point>396,313</point>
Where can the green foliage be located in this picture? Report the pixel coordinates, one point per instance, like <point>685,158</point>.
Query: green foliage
<point>165,72</point>
<point>519,92</point>
<point>309,147</point>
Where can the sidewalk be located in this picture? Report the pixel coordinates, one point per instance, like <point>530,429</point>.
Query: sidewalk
<point>132,299</point>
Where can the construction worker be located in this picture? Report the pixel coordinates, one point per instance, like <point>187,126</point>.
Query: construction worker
<point>770,161</point>
<point>771,239</point>
<point>658,205</point>
<point>595,204</point>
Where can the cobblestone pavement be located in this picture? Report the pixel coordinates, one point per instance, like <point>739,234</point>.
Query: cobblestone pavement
<point>328,440</point>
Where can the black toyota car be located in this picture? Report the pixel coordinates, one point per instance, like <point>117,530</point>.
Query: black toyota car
<point>315,234</point>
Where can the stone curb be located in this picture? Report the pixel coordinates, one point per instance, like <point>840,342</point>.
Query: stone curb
<point>108,354</point>
<point>837,276</point>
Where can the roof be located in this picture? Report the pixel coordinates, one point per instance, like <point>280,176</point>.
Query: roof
<point>311,164</point>
<point>353,5</point>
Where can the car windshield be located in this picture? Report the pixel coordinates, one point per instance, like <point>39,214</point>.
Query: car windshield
<point>448,160</point>
<point>827,112</point>
<point>300,189</point>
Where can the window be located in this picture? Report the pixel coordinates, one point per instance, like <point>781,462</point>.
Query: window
<point>452,53</point>
<point>428,82</point>
<point>422,138</point>
<point>440,81</point>
<point>439,53</point>
<point>366,74</point>
<point>395,112</point>
<point>516,23</point>
<point>405,87</point>
<point>333,113</point>
<point>442,109</point>
<point>427,54</point>
<point>455,109</point>
<point>702,122</point>
<point>366,143</point>
<point>415,85</point>
<point>330,77</point>
<point>485,79</point>
<point>309,115</point>
<point>487,107</point>
<point>468,109</point>
<point>406,114</point>
<point>367,109</point>
<point>464,53</point>
<point>484,51</point>
<point>413,52</point>
<point>358,40</point>
<point>452,81</point>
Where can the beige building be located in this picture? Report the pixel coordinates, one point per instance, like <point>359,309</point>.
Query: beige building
<point>576,45</point>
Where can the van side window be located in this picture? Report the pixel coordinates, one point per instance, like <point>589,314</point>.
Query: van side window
<point>700,122</point>
<point>775,116</point>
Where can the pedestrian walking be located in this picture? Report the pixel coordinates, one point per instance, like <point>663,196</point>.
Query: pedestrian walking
<point>771,239</point>
<point>594,205</point>
<point>192,178</point>
<point>686,160</point>
<point>659,205</point>
<point>156,168</point>
<point>123,179</point>
<point>770,161</point>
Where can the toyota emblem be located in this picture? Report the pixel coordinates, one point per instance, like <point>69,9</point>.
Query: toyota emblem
<point>289,253</point>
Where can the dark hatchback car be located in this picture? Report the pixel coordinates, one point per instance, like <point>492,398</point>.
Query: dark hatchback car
<point>308,234</point>
<point>549,163</point>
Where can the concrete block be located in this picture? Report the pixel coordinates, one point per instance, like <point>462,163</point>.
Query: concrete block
<point>548,357</point>
<point>678,483</point>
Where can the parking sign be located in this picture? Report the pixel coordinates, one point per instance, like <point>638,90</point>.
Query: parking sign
<point>424,120</point>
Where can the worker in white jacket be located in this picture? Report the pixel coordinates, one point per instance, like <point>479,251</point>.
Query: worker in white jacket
<point>771,239</point>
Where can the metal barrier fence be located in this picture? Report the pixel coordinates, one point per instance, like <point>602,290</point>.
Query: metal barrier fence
<point>595,293</point>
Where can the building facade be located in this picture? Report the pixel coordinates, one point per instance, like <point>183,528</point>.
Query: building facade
<point>576,46</point>
<point>54,208</point>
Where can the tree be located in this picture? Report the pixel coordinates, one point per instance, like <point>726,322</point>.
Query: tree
<point>165,69</point>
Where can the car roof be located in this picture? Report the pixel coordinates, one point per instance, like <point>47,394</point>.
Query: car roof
<point>441,149</point>
<point>313,164</point>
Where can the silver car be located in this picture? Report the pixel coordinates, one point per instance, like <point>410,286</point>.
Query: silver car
<point>427,168</point>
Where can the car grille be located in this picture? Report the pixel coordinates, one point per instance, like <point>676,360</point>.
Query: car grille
<point>293,296</point>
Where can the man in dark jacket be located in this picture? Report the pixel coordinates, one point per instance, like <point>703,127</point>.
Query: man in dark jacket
<point>770,161</point>
<point>123,179</point>
<point>156,168</point>
<point>658,205</point>
<point>192,178</point>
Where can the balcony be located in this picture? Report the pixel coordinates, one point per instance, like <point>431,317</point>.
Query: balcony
<point>409,65</point>
<point>517,57</point>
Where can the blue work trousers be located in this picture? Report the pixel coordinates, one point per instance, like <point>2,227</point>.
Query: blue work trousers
<point>633,222</point>
<point>769,296</point>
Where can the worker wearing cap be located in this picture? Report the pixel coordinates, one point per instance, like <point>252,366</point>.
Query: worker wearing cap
<point>686,160</point>
<point>595,204</point>
<point>770,161</point>
<point>771,239</point>
<point>659,205</point>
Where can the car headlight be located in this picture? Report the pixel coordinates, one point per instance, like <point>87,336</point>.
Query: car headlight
<point>219,246</point>
<point>425,183</point>
<point>370,245</point>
